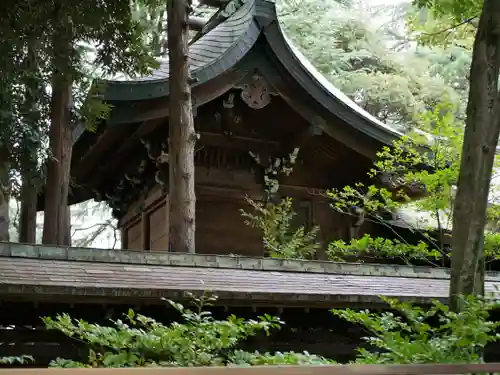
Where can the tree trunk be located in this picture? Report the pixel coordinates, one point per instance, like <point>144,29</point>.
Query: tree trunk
<point>182,136</point>
<point>480,141</point>
<point>58,166</point>
<point>27,219</point>
<point>30,174</point>
<point>4,195</point>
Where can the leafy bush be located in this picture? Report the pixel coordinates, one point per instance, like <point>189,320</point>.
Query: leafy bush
<point>22,359</point>
<point>424,163</point>
<point>411,336</point>
<point>199,341</point>
<point>240,357</point>
<point>281,240</point>
<point>381,247</point>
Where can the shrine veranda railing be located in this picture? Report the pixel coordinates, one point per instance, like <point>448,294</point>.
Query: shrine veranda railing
<point>427,369</point>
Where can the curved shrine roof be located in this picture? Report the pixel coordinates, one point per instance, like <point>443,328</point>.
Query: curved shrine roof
<point>220,48</point>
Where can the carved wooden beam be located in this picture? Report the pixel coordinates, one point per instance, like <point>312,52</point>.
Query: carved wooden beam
<point>123,152</point>
<point>239,143</point>
<point>86,164</point>
<point>302,138</point>
<point>157,150</point>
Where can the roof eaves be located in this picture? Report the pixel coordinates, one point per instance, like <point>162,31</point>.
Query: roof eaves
<point>323,91</point>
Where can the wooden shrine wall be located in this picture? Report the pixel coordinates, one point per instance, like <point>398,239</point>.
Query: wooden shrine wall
<point>145,226</point>
<point>220,226</point>
<point>225,173</point>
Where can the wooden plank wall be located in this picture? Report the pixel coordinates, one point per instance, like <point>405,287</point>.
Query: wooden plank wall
<point>220,227</point>
<point>159,227</point>
<point>213,218</point>
<point>145,226</point>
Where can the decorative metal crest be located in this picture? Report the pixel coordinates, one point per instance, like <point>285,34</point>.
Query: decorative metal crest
<point>255,91</point>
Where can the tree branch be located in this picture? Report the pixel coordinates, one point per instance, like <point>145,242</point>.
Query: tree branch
<point>451,28</point>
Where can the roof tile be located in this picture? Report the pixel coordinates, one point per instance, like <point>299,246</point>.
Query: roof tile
<point>135,279</point>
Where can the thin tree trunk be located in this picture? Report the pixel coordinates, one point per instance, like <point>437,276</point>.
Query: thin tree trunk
<point>30,180</point>
<point>4,195</point>
<point>58,166</point>
<point>27,219</point>
<point>182,136</point>
<point>480,141</point>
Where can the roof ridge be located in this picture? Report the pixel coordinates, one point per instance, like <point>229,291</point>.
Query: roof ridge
<point>224,12</point>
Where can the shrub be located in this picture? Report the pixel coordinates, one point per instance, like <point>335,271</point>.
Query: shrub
<point>281,239</point>
<point>411,337</point>
<point>200,341</point>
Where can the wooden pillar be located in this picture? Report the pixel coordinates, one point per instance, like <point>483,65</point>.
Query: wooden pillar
<point>67,226</point>
<point>167,218</point>
<point>124,237</point>
<point>145,231</point>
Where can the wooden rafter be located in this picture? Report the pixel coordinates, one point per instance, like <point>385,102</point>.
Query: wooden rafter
<point>87,162</point>
<point>301,139</point>
<point>238,143</point>
<point>214,3</point>
<point>123,153</point>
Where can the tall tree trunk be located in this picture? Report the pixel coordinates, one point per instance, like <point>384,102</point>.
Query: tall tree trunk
<point>27,219</point>
<point>480,141</point>
<point>4,195</point>
<point>30,173</point>
<point>182,136</point>
<point>58,166</point>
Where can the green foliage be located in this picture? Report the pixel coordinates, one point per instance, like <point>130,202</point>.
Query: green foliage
<point>242,358</point>
<point>444,23</point>
<point>431,160</point>
<point>200,341</point>
<point>371,198</point>
<point>413,334</point>
<point>274,217</point>
<point>426,162</point>
<point>24,103</point>
<point>459,9</point>
<point>421,163</point>
<point>492,245</point>
<point>281,240</point>
<point>22,359</point>
<point>152,19</point>
<point>375,65</point>
<point>95,39</point>
<point>379,247</point>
